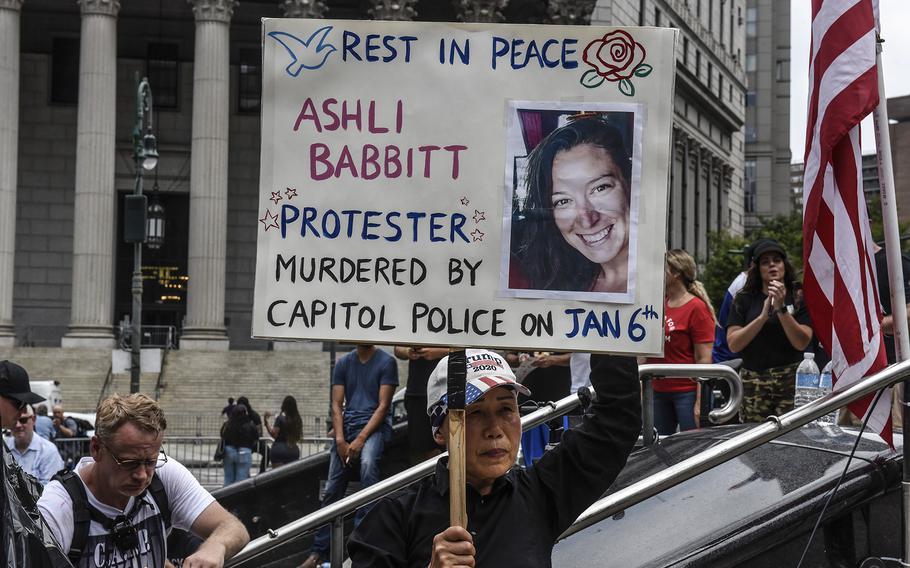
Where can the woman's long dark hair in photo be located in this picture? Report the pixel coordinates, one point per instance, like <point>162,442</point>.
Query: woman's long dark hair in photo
<point>292,421</point>
<point>546,258</point>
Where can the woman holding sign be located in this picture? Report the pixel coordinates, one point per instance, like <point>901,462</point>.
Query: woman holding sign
<point>577,229</point>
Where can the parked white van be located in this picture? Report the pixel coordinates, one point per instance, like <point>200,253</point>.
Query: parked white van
<point>50,390</point>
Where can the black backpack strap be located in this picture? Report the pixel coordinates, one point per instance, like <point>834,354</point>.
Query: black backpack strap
<point>81,516</point>
<point>156,488</point>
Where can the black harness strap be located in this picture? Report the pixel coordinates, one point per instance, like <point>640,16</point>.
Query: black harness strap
<point>83,512</point>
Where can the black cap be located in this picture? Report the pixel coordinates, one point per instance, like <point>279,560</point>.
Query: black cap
<point>763,246</point>
<point>14,383</point>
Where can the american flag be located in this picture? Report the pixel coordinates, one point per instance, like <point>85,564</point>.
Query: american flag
<point>839,281</point>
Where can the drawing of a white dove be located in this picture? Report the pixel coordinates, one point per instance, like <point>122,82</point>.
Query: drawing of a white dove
<point>309,53</point>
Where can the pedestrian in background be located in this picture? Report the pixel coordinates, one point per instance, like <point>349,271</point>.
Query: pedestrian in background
<point>44,426</point>
<point>261,446</point>
<point>362,387</point>
<point>239,435</point>
<point>421,363</point>
<point>689,336</point>
<point>771,330</point>
<point>287,432</point>
<point>34,454</point>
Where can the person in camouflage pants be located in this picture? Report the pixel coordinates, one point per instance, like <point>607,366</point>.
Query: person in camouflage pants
<point>768,393</point>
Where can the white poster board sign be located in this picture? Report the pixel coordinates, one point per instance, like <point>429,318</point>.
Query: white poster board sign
<point>464,184</point>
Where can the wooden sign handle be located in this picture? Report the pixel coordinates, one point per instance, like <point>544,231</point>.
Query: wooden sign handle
<point>455,387</point>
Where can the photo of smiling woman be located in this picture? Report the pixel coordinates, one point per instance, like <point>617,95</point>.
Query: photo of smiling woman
<point>571,222</point>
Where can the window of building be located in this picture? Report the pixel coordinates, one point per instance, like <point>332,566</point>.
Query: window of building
<point>720,86</point>
<point>250,84</point>
<point>751,19</point>
<point>751,62</point>
<point>162,68</point>
<point>685,52</point>
<point>657,17</point>
<point>751,135</point>
<point>730,89</point>
<point>65,70</point>
<point>751,98</point>
<point>697,64</point>
<point>710,75</point>
<point>749,185</point>
<point>710,15</point>
<point>782,70</point>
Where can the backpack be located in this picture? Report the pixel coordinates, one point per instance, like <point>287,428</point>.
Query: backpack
<point>83,512</point>
<point>83,427</point>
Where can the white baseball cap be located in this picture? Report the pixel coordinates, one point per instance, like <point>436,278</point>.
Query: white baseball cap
<point>485,370</point>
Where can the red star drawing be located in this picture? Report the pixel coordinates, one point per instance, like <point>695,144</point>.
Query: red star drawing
<point>269,220</point>
<point>465,201</point>
<point>276,197</point>
<point>476,235</point>
<point>479,216</point>
<point>291,193</point>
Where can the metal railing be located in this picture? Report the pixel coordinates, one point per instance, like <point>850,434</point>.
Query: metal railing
<point>334,514</point>
<point>773,427</point>
<point>196,453</point>
<point>701,373</point>
<point>163,336</point>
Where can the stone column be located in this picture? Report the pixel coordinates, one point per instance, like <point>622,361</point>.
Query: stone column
<point>394,10</point>
<point>93,219</point>
<point>571,12</point>
<point>489,11</point>
<point>303,8</point>
<point>204,328</point>
<point>9,152</point>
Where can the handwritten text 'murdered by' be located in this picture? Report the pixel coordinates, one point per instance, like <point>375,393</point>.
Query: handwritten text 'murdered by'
<point>370,161</point>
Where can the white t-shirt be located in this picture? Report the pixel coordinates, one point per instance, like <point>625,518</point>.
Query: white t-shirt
<point>187,500</point>
<point>580,364</point>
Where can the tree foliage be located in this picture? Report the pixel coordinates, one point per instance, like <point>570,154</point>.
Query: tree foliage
<point>726,250</point>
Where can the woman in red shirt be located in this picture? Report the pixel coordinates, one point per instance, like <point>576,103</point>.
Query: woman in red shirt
<point>689,331</point>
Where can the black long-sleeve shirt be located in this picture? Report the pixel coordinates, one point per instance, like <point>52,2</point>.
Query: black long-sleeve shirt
<point>518,522</point>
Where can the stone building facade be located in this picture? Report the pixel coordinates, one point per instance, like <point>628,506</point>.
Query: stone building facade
<point>68,76</point>
<point>767,132</point>
<point>706,179</point>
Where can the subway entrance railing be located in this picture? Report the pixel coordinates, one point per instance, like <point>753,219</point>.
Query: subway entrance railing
<point>334,514</point>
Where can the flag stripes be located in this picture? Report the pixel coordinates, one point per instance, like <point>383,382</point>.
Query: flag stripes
<point>839,278</point>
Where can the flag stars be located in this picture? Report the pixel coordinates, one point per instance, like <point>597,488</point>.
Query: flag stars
<point>276,197</point>
<point>269,220</point>
<point>290,193</point>
<point>479,216</point>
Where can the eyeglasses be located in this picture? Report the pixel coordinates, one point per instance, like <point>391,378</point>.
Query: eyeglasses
<point>19,404</point>
<point>133,465</point>
<point>24,420</point>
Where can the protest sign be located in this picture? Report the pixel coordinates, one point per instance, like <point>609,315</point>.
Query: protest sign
<point>464,184</point>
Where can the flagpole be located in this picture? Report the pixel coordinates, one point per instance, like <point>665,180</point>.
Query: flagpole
<point>895,272</point>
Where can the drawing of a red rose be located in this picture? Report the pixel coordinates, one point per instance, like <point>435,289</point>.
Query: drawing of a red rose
<point>616,57</point>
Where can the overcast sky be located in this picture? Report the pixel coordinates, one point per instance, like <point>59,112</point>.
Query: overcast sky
<point>895,20</point>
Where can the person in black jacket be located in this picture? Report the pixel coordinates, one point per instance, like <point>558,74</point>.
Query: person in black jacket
<point>240,438</point>
<point>515,515</point>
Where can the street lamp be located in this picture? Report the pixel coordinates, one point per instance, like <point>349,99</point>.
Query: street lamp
<point>145,155</point>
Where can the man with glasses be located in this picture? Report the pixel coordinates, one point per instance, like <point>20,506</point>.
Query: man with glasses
<point>37,456</point>
<point>118,505</point>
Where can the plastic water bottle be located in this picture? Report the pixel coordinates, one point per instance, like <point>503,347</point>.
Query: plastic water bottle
<point>825,386</point>
<point>807,379</point>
